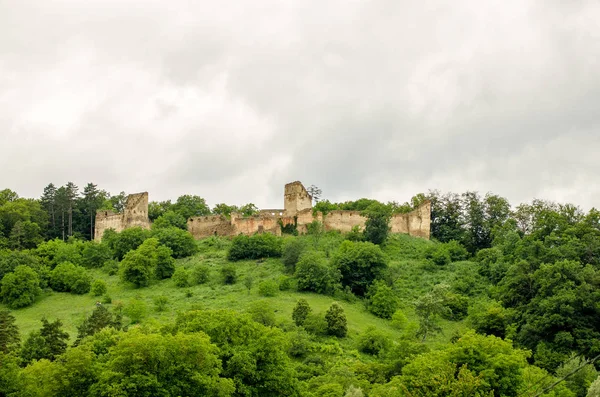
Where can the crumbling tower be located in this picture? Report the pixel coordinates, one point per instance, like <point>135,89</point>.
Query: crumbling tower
<point>296,199</point>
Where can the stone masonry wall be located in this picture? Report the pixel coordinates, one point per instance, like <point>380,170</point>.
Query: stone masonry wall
<point>134,214</point>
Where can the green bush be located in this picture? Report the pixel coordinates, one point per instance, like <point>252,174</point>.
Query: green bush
<point>438,255</point>
<point>373,342</point>
<point>336,320</point>
<point>382,301</point>
<point>106,299</point>
<point>95,254</point>
<point>111,267</point>
<point>257,246</point>
<point>262,312</point>
<point>301,312</point>
<point>286,284</point>
<point>292,251</point>
<point>229,274</point>
<point>268,288</point>
<point>67,277</point>
<point>170,219</point>
<point>128,240</point>
<point>137,268</point>
<point>456,251</point>
<point>359,263</point>
<point>200,274</point>
<point>136,310</point>
<point>315,324</point>
<point>98,288</point>
<point>160,303</point>
<point>399,320</point>
<point>315,274</point>
<point>458,305</point>
<point>20,288</point>
<point>165,264</point>
<point>181,242</point>
<point>181,277</point>
<point>490,318</point>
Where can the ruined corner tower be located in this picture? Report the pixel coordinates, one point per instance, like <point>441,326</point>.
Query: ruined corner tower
<point>296,199</point>
<point>134,214</point>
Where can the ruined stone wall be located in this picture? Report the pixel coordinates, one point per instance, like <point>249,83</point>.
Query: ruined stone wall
<point>256,224</point>
<point>296,199</point>
<point>107,220</point>
<point>343,221</point>
<point>205,226</point>
<point>134,214</point>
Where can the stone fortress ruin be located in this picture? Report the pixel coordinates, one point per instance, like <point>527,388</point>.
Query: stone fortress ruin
<point>297,211</point>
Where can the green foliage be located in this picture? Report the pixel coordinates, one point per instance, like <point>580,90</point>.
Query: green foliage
<point>580,381</point>
<point>165,264</point>
<point>301,312</point>
<point>594,390</point>
<point>20,288</point>
<point>200,274</point>
<point>336,320</point>
<point>99,319</point>
<point>262,312</point>
<point>292,251</point>
<point>9,333</point>
<point>68,277</point>
<point>181,242</point>
<point>189,206</point>
<point>381,300</point>
<point>229,274</point>
<point>429,308</point>
<point>181,277</point>
<point>457,305</point>
<point>373,342</point>
<point>136,310</point>
<point>98,288</point>
<point>456,251</point>
<point>160,303</point>
<point>128,240</point>
<point>360,264</point>
<point>315,230</point>
<point>169,365</point>
<point>9,260</point>
<point>438,255</point>
<point>315,274</point>
<point>268,288</point>
<point>257,246</point>
<point>399,319</point>
<point>95,254</point>
<point>490,318</point>
<point>170,219</point>
<point>49,342</point>
<point>248,282</point>
<point>377,224</point>
<point>111,267</point>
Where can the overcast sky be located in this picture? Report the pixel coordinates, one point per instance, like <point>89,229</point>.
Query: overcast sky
<point>230,100</point>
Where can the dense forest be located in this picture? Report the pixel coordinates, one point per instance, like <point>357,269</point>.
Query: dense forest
<point>503,301</point>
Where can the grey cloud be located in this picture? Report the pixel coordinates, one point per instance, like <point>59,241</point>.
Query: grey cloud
<point>232,100</point>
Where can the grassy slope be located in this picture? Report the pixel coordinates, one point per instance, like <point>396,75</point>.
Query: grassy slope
<point>412,279</point>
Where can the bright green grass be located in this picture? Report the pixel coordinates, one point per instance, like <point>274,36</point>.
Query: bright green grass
<point>412,281</point>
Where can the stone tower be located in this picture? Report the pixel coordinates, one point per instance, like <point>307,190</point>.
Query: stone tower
<point>296,199</point>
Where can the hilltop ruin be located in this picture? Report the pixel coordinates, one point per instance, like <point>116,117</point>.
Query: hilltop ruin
<point>297,210</point>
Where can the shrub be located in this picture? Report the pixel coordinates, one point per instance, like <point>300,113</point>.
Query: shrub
<point>68,277</point>
<point>106,299</point>
<point>359,263</point>
<point>98,288</point>
<point>200,274</point>
<point>300,344</point>
<point>458,305</point>
<point>301,312</point>
<point>268,288</point>
<point>262,312</point>
<point>373,342</point>
<point>291,254</point>
<point>181,242</point>
<point>377,223</point>
<point>286,284</point>
<point>20,288</point>
<point>456,251</point>
<point>136,310</point>
<point>437,254</point>
<point>128,240</point>
<point>336,320</point>
<point>382,301</point>
<point>316,324</point>
<point>315,274</point>
<point>181,277</point>
<point>399,319</point>
<point>160,303</point>
<point>170,219</point>
<point>165,264</point>
<point>137,268</point>
<point>95,254</point>
<point>229,274</point>
<point>257,246</point>
<point>490,318</point>
<point>111,267</point>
